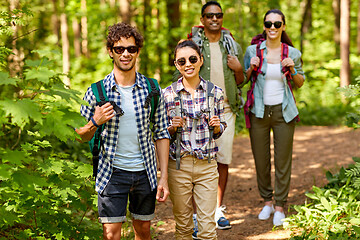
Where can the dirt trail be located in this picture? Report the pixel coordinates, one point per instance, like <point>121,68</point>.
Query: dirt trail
<point>316,150</point>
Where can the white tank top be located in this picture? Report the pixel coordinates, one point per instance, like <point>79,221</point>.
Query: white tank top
<point>274,86</point>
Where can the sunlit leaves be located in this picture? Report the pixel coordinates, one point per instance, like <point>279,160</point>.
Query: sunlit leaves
<point>21,111</point>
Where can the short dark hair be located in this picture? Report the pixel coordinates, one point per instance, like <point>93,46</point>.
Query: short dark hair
<point>209,3</point>
<point>187,43</point>
<point>125,30</point>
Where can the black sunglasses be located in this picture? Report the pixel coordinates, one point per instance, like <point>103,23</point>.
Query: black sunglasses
<point>211,15</point>
<point>182,61</point>
<point>121,50</point>
<point>268,24</point>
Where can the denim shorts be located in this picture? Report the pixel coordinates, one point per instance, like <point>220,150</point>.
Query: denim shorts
<point>124,185</point>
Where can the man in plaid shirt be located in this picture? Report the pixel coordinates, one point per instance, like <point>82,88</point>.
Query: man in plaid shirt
<point>127,162</point>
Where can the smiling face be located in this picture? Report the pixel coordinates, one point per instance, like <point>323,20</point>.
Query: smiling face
<point>125,61</point>
<point>273,33</point>
<point>212,24</point>
<point>189,70</point>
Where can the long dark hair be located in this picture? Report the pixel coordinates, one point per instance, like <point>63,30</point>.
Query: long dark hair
<point>284,37</point>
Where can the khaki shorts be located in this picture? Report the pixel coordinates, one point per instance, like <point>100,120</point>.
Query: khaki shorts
<point>225,142</point>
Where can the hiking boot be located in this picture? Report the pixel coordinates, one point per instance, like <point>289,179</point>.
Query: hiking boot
<point>221,222</point>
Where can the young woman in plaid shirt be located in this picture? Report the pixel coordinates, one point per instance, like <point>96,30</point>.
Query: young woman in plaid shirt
<point>197,177</point>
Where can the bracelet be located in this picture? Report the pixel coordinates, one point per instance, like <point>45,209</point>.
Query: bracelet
<point>93,121</point>
<point>293,74</point>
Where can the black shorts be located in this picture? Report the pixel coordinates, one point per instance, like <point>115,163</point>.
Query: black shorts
<point>124,185</point>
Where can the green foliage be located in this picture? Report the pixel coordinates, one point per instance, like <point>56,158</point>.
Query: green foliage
<point>353,92</point>
<point>45,190</point>
<point>333,211</point>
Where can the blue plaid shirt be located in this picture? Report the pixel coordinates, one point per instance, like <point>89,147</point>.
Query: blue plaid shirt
<point>111,131</point>
<point>288,106</point>
<point>194,110</point>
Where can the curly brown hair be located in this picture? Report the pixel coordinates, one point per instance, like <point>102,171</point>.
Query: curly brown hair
<point>120,30</point>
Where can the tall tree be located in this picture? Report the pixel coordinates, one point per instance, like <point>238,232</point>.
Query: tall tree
<point>15,59</point>
<point>173,13</point>
<point>306,22</point>
<point>84,30</point>
<point>65,43</point>
<point>55,22</point>
<point>345,42</point>
<point>146,24</point>
<point>336,10</point>
<point>358,29</point>
<point>77,37</point>
<point>125,10</point>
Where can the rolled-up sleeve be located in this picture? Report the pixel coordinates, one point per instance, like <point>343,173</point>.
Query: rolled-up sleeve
<point>161,120</point>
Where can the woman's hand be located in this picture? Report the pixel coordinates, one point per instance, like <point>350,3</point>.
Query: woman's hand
<point>288,62</point>
<point>176,122</point>
<point>215,122</point>
<point>254,62</point>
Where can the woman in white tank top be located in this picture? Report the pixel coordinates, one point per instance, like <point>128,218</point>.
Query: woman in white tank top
<point>274,109</point>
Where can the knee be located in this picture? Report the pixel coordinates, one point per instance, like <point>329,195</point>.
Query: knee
<point>142,229</point>
<point>112,231</point>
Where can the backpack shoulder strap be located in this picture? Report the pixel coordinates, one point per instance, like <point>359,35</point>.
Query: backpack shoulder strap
<point>210,95</point>
<point>177,100</point>
<point>153,96</point>
<point>99,92</point>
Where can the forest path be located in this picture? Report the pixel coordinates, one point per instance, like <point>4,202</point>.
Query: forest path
<point>316,150</point>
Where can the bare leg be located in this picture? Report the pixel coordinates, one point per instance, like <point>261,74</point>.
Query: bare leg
<point>142,230</point>
<point>112,231</point>
<point>223,170</point>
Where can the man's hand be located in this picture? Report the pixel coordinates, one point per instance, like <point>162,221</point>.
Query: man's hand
<point>162,190</point>
<point>104,113</point>
<point>234,63</point>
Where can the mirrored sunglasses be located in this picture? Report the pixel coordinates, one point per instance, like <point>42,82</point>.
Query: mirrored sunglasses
<point>277,24</point>
<point>121,50</point>
<point>182,61</point>
<point>211,15</point>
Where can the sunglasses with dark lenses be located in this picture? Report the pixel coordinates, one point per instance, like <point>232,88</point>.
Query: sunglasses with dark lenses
<point>211,15</point>
<point>268,24</point>
<point>121,50</point>
<point>182,61</point>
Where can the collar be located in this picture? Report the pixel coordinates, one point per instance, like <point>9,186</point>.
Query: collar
<point>140,80</point>
<point>180,86</point>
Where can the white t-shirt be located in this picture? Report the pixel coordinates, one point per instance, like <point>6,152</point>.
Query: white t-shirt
<point>274,86</point>
<point>128,155</point>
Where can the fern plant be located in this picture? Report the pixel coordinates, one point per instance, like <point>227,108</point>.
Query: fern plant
<point>331,212</point>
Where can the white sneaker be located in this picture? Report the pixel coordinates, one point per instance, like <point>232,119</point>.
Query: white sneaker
<point>266,212</point>
<point>278,219</point>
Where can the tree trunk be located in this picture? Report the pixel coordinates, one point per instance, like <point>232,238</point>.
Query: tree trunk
<point>146,17</point>
<point>173,13</point>
<point>77,37</point>
<point>358,29</point>
<point>15,60</point>
<point>306,22</point>
<point>84,30</point>
<point>65,43</point>
<point>345,43</point>
<point>125,10</point>
<point>336,10</point>
<point>55,22</point>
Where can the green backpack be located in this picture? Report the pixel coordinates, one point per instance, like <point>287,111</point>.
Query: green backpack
<point>98,89</point>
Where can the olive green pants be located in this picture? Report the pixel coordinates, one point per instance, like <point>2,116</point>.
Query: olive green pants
<point>283,134</point>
